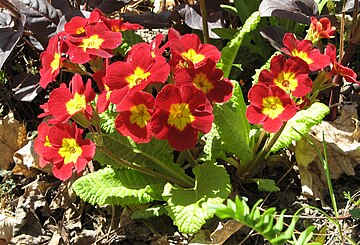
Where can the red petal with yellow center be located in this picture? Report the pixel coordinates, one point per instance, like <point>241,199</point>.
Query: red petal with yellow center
<point>269,106</point>
<point>66,140</point>
<point>306,51</point>
<point>290,75</point>
<point>208,79</point>
<point>134,117</point>
<point>179,113</point>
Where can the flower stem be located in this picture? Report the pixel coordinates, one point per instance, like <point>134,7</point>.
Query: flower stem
<point>255,166</point>
<point>181,182</point>
<point>204,21</point>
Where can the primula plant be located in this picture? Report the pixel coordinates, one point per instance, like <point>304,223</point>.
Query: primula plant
<point>164,120</point>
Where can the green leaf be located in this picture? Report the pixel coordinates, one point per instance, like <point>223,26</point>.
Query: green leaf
<point>146,213</point>
<point>302,122</point>
<point>190,208</point>
<point>229,52</point>
<point>230,9</point>
<point>107,119</point>
<point>118,186</point>
<point>233,127</point>
<point>224,33</point>
<point>355,213</point>
<point>156,155</point>
<point>266,185</point>
<point>245,8</point>
<point>129,38</point>
<point>214,147</point>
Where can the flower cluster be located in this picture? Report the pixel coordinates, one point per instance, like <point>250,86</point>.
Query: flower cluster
<point>169,98</point>
<point>286,87</point>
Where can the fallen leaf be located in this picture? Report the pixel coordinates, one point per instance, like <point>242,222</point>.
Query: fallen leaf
<point>6,227</point>
<point>224,231</point>
<point>342,147</point>
<point>12,138</point>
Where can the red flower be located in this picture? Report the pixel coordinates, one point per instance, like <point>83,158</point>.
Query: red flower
<point>117,25</point>
<point>208,79</point>
<point>269,106</point>
<point>337,69</point>
<point>180,112</point>
<point>305,50</point>
<point>51,61</point>
<point>64,102</point>
<point>134,117</point>
<point>41,141</point>
<point>138,71</point>
<point>67,149</point>
<point>96,41</point>
<point>188,50</point>
<point>321,29</point>
<point>76,26</point>
<point>154,46</point>
<point>290,75</point>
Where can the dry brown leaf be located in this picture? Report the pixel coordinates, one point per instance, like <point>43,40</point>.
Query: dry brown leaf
<point>12,138</point>
<point>6,227</point>
<point>224,231</point>
<point>343,152</point>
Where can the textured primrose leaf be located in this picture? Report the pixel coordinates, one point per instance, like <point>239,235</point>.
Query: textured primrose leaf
<point>129,38</point>
<point>302,122</point>
<point>107,119</point>
<point>233,127</point>
<point>214,147</point>
<point>190,208</point>
<point>229,52</point>
<point>118,186</point>
<point>156,155</point>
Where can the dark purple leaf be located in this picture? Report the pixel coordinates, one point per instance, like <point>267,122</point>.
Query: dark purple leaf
<point>25,86</point>
<point>62,5</point>
<point>274,35</point>
<point>108,6</point>
<point>9,36</point>
<point>297,10</point>
<point>149,19</point>
<point>192,18</point>
<point>41,18</point>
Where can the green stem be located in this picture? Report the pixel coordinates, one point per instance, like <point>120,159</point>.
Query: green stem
<point>189,157</point>
<point>204,21</point>
<point>253,168</point>
<point>181,182</point>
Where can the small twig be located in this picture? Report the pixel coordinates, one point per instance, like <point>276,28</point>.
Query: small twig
<point>204,21</point>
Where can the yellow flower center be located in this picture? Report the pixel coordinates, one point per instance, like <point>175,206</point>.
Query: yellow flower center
<point>76,104</point>
<point>70,150</point>
<point>193,56</point>
<point>47,141</point>
<point>286,81</point>
<point>137,77</point>
<point>80,30</point>
<point>92,42</point>
<point>55,64</point>
<point>180,116</point>
<point>140,115</point>
<point>202,82</point>
<point>302,55</point>
<point>272,107</point>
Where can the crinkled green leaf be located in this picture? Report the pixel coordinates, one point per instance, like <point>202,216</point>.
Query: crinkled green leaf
<point>229,52</point>
<point>156,155</point>
<point>266,184</point>
<point>214,147</point>
<point>107,119</point>
<point>233,126</point>
<point>118,186</point>
<point>190,208</point>
<point>146,213</point>
<point>302,122</point>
